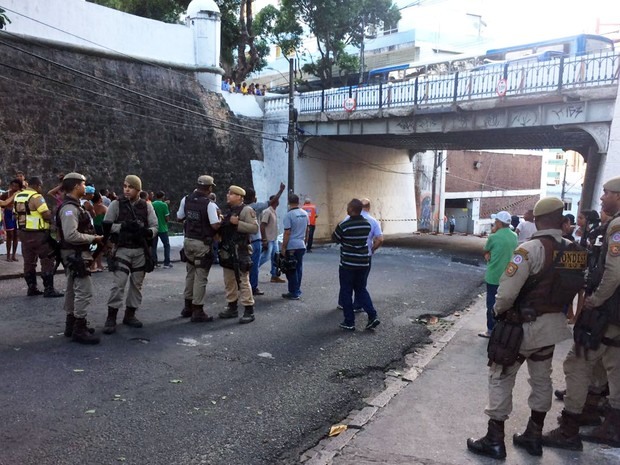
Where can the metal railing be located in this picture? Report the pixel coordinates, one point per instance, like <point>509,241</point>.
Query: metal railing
<point>497,80</point>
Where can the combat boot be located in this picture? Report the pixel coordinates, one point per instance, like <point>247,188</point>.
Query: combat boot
<point>531,439</point>
<point>110,323</point>
<point>31,281</point>
<point>199,315</point>
<point>566,436</point>
<point>82,334</point>
<point>130,318</point>
<point>69,322</point>
<point>248,315</point>
<point>187,309</point>
<point>231,311</point>
<point>48,285</point>
<point>609,432</point>
<point>492,445</point>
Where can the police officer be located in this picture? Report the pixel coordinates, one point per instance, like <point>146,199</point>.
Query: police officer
<point>132,223</point>
<point>201,223</point>
<point>235,254</point>
<point>33,222</point>
<point>534,281</point>
<point>76,234</point>
<point>579,365</point>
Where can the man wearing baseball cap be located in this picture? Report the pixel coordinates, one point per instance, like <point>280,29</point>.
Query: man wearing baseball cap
<point>534,289</point>
<point>497,252</point>
<point>200,225</point>
<point>603,301</point>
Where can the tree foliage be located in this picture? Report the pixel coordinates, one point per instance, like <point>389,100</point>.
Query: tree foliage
<point>336,24</point>
<point>3,19</point>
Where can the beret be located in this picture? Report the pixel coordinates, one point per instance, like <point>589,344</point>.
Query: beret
<point>134,181</point>
<point>548,205</point>
<point>613,184</point>
<point>237,190</point>
<point>74,176</point>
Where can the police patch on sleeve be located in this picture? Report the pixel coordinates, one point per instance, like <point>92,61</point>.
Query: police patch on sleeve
<point>68,213</point>
<point>614,250</point>
<point>521,252</point>
<point>517,259</point>
<point>511,269</point>
<point>615,237</point>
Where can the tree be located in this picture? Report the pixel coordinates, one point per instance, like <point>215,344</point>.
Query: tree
<point>3,19</point>
<point>336,24</point>
<point>279,27</point>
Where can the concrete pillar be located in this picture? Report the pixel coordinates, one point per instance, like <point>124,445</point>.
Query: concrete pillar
<point>610,163</point>
<point>204,18</point>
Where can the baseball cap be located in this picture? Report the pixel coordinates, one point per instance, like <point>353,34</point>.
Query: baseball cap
<point>205,180</point>
<point>502,216</point>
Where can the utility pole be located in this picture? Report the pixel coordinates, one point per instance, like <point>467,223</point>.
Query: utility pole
<point>434,225</point>
<point>362,52</point>
<point>564,180</point>
<point>291,126</point>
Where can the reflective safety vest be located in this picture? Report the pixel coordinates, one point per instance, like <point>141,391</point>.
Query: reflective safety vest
<point>310,209</point>
<point>28,220</point>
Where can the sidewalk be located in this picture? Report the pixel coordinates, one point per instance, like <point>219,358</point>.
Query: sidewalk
<point>438,403</point>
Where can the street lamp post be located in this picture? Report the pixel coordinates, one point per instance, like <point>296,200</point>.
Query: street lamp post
<point>291,126</point>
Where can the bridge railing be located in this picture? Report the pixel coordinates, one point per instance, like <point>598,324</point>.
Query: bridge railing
<point>495,80</point>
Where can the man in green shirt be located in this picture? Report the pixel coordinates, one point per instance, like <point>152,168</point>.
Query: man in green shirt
<point>163,215</point>
<point>497,252</point>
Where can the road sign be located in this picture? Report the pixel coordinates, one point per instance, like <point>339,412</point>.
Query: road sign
<point>502,87</point>
<point>349,104</point>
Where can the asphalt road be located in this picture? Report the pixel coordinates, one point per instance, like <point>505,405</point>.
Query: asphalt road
<point>218,393</point>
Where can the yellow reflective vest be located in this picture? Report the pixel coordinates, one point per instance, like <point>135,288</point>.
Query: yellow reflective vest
<point>28,220</point>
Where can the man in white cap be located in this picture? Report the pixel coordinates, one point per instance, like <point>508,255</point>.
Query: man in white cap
<point>534,289</point>
<point>603,302</point>
<point>497,252</point>
<point>132,223</point>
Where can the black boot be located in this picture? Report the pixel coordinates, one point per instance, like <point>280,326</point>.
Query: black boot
<point>248,315</point>
<point>82,334</point>
<point>566,436</point>
<point>31,281</point>
<point>231,311</point>
<point>69,322</point>
<point>492,445</point>
<point>187,309</point>
<point>531,439</point>
<point>130,318</point>
<point>110,323</point>
<point>199,315</point>
<point>48,285</point>
<point>609,432</point>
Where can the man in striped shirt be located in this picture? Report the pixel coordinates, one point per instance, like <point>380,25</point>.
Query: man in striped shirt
<point>352,235</point>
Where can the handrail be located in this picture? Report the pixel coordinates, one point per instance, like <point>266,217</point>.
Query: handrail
<point>497,80</point>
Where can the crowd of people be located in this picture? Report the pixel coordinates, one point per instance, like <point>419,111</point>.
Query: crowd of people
<point>228,85</point>
<point>240,237</point>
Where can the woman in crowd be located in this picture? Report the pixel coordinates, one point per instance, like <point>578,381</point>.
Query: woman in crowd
<point>10,222</point>
<point>99,210</point>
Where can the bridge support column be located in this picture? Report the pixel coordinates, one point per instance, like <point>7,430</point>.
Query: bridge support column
<point>589,192</point>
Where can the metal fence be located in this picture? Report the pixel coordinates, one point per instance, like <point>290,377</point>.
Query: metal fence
<point>496,80</point>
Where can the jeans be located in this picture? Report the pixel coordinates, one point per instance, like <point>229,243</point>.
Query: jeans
<point>256,251</point>
<point>491,293</point>
<point>269,255</point>
<point>311,229</point>
<point>356,303</point>
<point>294,277</point>
<point>166,241</point>
<point>355,281</point>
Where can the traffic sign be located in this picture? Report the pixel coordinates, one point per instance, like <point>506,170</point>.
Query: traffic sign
<point>349,104</point>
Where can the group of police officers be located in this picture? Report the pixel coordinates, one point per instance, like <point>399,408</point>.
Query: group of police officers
<point>542,278</point>
<point>540,281</point>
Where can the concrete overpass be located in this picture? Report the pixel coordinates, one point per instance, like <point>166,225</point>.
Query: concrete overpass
<point>570,103</point>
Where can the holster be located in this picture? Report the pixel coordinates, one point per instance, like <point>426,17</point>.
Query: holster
<point>590,328</point>
<point>77,266</point>
<point>505,343</point>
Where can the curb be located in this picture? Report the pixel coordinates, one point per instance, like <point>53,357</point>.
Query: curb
<point>328,448</point>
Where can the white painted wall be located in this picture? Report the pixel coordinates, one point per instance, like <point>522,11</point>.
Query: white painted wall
<point>92,26</point>
<point>610,162</point>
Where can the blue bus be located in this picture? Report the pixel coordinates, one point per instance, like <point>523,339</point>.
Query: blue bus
<point>568,46</point>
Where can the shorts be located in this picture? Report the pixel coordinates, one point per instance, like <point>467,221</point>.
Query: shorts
<point>10,223</point>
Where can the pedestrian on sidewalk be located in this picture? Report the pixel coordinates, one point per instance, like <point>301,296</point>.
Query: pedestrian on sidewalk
<point>497,252</point>
<point>269,238</point>
<point>603,298</point>
<point>452,224</point>
<point>352,235</point>
<point>533,291</point>
<point>313,214</point>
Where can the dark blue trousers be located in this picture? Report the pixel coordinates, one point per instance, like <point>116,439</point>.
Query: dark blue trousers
<point>355,281</point>
<point>491,293</point>
<point>294,277</point>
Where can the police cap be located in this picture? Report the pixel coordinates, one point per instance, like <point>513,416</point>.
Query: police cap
<point>74,176</point>
<point>205,180</point>
<point>612,185</point>
<point>237,190</point>
<point>548,205</point>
